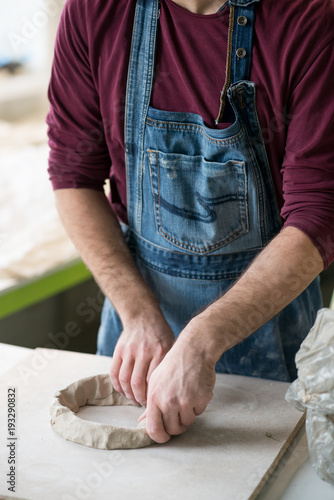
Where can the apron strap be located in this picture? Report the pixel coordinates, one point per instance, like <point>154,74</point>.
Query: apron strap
<point>138,95</point>
<point>239,47</point>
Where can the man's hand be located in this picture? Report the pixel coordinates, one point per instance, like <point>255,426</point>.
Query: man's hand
<point>181,386</point>
<point>142,345</point>
<point>94,229</point>
<point>179,389</point>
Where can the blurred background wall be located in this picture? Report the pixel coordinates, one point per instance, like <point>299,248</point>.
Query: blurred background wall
<point>32,242</point>
<point>27,32</point>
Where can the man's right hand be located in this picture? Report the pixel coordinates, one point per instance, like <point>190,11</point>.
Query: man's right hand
<point>94,229</point>
<point>141,347</point>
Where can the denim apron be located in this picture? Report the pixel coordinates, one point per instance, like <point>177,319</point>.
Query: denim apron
<point>201,202</point>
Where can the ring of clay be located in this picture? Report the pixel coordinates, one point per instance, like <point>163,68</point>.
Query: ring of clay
<point>98,391</point>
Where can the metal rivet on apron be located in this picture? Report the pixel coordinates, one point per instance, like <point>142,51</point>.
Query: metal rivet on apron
<point>242,20</point>
<point>241,52</point>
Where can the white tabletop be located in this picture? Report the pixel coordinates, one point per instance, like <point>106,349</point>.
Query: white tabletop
<point>10,355</point>
<point>292,479</point>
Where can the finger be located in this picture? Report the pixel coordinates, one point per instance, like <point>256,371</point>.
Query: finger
<point>172,423</point>
<point>142,416</point>
<point>155,425</point>
<point>187,416</point>
<point>154,363</point>
<point>114,373</point>
<point>138,380</point>
<point>200,408</point>
<point>125,374</point>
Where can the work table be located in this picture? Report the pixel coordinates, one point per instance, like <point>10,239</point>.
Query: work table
<point>225,455</point>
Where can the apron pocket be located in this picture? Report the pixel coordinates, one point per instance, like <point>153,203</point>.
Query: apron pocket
<point>199,205</point>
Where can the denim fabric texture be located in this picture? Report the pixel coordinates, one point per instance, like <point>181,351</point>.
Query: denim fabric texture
<point>201,203</point>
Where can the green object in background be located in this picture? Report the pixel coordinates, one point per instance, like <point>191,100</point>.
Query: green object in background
<point>32,291</point>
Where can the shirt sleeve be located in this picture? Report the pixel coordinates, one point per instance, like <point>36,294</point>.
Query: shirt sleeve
<point>79,155</point>
<point>308,166</point>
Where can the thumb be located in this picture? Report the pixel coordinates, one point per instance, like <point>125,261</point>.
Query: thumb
<point>142,416</point>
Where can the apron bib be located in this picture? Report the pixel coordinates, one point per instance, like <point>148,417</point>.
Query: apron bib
<point>201,202</point>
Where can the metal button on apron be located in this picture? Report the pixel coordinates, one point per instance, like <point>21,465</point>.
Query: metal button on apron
<point>242,20</point>
<point>241,52</point>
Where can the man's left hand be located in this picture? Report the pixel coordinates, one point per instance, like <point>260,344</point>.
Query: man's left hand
<point>179,389</point>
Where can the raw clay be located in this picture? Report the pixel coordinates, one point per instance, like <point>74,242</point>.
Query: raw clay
<point>97,391</point>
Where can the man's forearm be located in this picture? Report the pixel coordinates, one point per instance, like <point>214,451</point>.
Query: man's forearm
<point>277,276</point>
<point>95,231</point>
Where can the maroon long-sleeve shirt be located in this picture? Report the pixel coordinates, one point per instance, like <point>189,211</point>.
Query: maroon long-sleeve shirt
<point>292,67</point>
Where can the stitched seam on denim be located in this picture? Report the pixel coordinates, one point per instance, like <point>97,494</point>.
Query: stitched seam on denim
<point>259,188</point>
<point>209,248</point>
<point>257,173</point>
<point>228,66</point>
<point>259,184</point>
<point>151,176</point>
<point>128,202</point>
<point>235,177</point>
<point>158,171</point>
<point>192,128</point>
<point>267,165</point>
<point>189,274</point>
<point>149,245</point>
<point>204,249</point>
<point>239,96</point>
<point>178,243</point>
<point>261,192</point>
<point>148,91</point>
<point>246,196</point>
<point>242,4</point>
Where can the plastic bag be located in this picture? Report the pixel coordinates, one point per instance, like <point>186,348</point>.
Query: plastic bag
<point>313,392</point>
